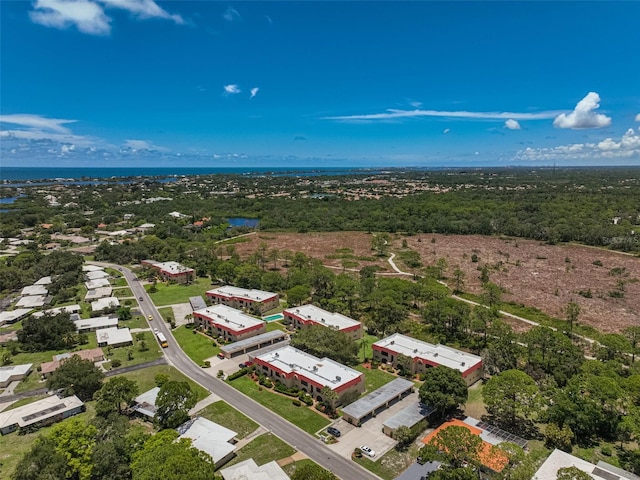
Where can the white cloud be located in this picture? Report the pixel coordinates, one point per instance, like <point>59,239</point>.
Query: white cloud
<point>231,14</point>
<point>512,124</point>
<point>446,130</point>
<point>232,89</point>
<point>392,113</point>
<point>627,147</point>
<point>37,122</point>
<point>136,145</point>
<point>415,104</point>
<point>638,117</point>
<point>584,115</point>
<point>39,135</point>
<point>143,9</point>
<point>254,91</point>
<point>87,16</point>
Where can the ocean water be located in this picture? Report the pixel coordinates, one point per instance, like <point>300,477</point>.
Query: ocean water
<point>86,174</point>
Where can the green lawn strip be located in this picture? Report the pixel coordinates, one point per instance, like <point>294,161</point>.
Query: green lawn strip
<point>595,453</point>
<point>290,468</point>
<point>25,401</point>
<point>119,282</point>
<point>303,417</point>
<point>263,449</point>
<point>375,378</point>
<point>169,294</point>
<point>15,445</point>
<point>137,321</point>
<point>392,462</point>
<point>122,292</point>
<point>153,352</point>
<point>364,346</point>
<point>197,346</point>
<point>166,313</point>
<point>145,378</point>
<point>275,326</point>
<point>475,404</point>
<point>227,416</point>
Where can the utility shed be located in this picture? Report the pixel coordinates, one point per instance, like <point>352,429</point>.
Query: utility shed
<point>378,400</point>
<point>197,303</point>
<point>409,417</point>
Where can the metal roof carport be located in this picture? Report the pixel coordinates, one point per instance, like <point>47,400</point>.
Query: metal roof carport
<point>253,343</point>
<point>376,401</point>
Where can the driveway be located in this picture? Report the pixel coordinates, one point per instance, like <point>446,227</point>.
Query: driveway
<point>370,433</point>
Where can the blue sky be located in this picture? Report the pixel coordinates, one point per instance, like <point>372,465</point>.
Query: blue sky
<point>198,83</point>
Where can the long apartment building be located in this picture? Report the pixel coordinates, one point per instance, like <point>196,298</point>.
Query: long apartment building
<point>172,271</point>
<point>300,317</point>
<point>229,323</point>
<point>295,368</point>
<point>244,299</point>
<point>426,355</point>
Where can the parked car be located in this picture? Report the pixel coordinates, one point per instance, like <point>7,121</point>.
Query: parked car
<point>367,451</point>
<point>242,365</point>
<point>221,356</point>
<point>333,431</point>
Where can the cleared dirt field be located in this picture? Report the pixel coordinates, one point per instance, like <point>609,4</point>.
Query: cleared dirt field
<point>547,277</point>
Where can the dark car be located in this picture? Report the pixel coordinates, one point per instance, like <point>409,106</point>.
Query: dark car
<point>333,431</point>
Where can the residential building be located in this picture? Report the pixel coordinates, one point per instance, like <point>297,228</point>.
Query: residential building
<point>211,438</point>
<point>172,271</point>
<point>70,309</point>
<point>300,317</point>
<point>256,301</point>
<point>229,323</point>
<point>114,337</point>
<point>33,301</point>
<point>93,354</point>
<point>97,293</point>
<point>97,283</point>
<point>40,413</point>
<point>13,316</point>
<point>104,303</point>
<point>295,368</point>
<point>425,355</point>
<point>12,373</point>
<point>34,290</point>
<point>602,471</point>
<point>85,325</point>
<point>249,470</point>
<point>145,403</point>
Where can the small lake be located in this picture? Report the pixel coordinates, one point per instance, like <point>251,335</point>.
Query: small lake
<point>8,200</point>
<point>244,222</point>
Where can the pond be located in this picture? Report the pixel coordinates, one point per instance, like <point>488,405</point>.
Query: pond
<point>244,222</point>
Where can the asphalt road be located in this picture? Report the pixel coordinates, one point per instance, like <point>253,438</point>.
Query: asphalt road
<point>294,436</point>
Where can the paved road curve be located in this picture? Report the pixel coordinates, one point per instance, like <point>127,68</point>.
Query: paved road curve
<point>300,440</point>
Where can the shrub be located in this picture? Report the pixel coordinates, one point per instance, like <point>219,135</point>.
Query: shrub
<point>597,263</point>
<point>238,374</point>
<point>297,402</point>
<point>206,364</point>
<point>115,363</point>
<point>606,450</point>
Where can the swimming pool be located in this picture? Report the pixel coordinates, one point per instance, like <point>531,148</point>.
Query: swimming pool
<point>273,318</point>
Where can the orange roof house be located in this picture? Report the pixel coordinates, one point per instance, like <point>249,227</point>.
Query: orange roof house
<point>489,457</point>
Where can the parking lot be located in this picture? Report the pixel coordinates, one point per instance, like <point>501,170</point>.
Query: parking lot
<point>370,433</point>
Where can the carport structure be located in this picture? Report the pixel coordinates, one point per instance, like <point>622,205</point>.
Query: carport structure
<point>378,400</point>
<point>254,343</point>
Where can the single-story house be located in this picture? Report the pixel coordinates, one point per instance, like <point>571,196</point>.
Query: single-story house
<point>103,303</point>
<point>40,413</point>
<point>209,437</point>
<point>85,325</point>
<point>93,354</point>
<point>114,337</point>
<point>249,470</point>
<point>12,373</point>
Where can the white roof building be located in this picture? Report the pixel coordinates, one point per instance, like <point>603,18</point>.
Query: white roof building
<point>54,311</point>
<point>238,293</point>
<point>94,275</point>
<point>312,314</point>
<point>146,402</point>
<point>32,301</point>
<point>114,336</point>
<point>33,290</point>
<point>91,268</point>
<point>230,319</point>
<point>40,411</point>
<point>97,283</point>
<point>44,281</point>
<point>249,470</point>
<point>11,373</point>
<point>103,303</point>
<point>96,293</point>
<point>210,438</point>
<point>320,372</point>
<point>559,459</point>
<point>12,316</point>
<point>95,323</point>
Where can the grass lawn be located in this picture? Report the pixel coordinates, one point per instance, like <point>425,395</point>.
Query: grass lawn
<point>264,449</point>
<point>25,401</point>
<point>137,321</point>
<point>290,468</point>
<point>196,345</point>
<point>146,379</point>
<point>275,326</point>
<point>304,417</point>
<point>14,446</point>
<point>391,463</point>
<point>365,350</point>
<point>153,352</point>
<point>122,292</point>
<point>166,312</point>
<point>374,379</point>
<point>475,405</point>
<point>168,294</point>
<point>119,282</point>
<point>227,416</point>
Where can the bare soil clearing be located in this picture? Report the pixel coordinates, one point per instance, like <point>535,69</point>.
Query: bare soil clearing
<point>534,274</point>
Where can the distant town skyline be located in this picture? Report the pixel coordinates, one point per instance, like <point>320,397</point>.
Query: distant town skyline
<point>134,83</point>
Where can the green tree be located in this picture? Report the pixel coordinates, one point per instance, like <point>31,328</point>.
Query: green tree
<point>443,389</point>
<point>48,332</point>
<point>176,459</point>
<point>75,440</point>
<point>458,279</point>
<point>573,311</point>
<point>114,394</point>
<point>173,403</point>
<point>511,397</point>
<point>76,377</point>
<point>556,437</point>
<point>42,462</point>
<point>633,337</point>
<point>312,471</point>
<point>491,294</point>
<point>124,313</point>
<point>298,295</point>
<point>404,436</point>
<point>457,447</point>
<point>326,342</point>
